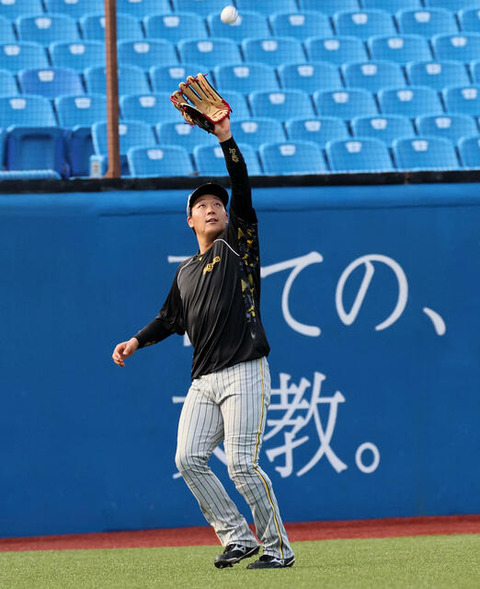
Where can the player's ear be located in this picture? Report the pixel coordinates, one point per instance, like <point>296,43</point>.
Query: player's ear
<point>190,222</point>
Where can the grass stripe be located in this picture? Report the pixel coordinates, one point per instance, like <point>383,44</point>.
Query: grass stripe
<point>433,562</point>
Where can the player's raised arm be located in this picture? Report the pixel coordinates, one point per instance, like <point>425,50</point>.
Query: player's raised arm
<point>200,104</point>
<point>241,202</point>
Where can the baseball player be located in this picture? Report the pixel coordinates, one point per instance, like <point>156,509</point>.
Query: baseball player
<point>215,298</point>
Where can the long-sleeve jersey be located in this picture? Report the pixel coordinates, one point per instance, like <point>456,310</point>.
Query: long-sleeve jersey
<point>215,296</point>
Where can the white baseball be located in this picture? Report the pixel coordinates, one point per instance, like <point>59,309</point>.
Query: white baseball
<point>229,15</point>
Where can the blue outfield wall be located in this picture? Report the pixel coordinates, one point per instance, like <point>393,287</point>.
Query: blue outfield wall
<point>371,303</point>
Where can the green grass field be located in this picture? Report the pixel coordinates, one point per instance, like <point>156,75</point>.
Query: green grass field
<point>425,561</point>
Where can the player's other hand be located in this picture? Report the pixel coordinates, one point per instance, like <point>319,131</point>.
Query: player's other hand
<point>124,350</point>
<point>222,130</point>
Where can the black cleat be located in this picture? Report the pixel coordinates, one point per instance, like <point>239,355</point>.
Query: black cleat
<point>271,562</point>
<point>234,553</point>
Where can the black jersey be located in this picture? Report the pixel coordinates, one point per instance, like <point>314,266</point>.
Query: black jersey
<point>215,296</point>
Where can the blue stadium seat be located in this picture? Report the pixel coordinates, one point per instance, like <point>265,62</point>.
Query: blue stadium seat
<point>161,160</point>
<point>20,56</point>
<point>211,52</point>
<point>292,157</point>
<point>146,53</point>
<point>209,160</point>
<point>425,153</point>
<point>249,24</point>
<point>475,70</point>
<point>320,130</point>
<point>274,51</point>
<point>8,85</point>
<point>363,24</point>
<point>77,55</point>
<point>300,25</point>
<point>462,100</point>
<point>426,22</point>
<point>362,154</point>
<point>74,8</point>
<point>92,27</point>
<point>385,128</point>
<point>47,28</point>
<point>130,79</point>
<point>15,8</point>
<point>265,6</point>
<point>82,111</point>
<point>202,7</point>
<point>373,75</point>
<point>37,148</point>
<point>337,50</point>
<point>149,108</point>
<point>469,20</point>
<point>345,104</point>
<point>50,82</point>
<point>281,105</point>
<point>454,5</point>
<point>392,6</point>
<point>166,78</point>
<point>29,175</point>
<point>80,149</point>
<point>7,34</point>
<point>460,47</point>
<point>26,111</point>
<point>437,74</point>
<point>453,127</point>
<point>310,77</point>
<point>246,78</point>
<point>469,149</point>
<point>329,6</point>
<point>400,48</point>
<point>411,102</point>
<point>259,130</point>
<point>173,27</point>
<point>3,144</point>
<point>186,136</point>
<point>239,104</point>
<point>141,8</point>
<point>132,134</point>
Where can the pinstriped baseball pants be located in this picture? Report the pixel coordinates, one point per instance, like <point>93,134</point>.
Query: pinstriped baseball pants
<point>231,405</point>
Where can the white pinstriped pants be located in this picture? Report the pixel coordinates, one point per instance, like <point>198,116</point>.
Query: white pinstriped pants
<point>231,405</point>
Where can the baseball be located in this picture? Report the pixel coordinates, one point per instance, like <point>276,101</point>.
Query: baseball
<point>229,15</point>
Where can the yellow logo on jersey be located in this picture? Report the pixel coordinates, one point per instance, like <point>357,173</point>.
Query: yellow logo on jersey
<point>233,153</point>
<point>209,267</point>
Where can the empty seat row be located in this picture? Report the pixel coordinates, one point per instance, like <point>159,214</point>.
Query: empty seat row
<point>372,76</point>
<point>154,108</point>
<point>48,28</point>
<point>145,53</point>
<point>141,8</point>
<point>302,157</point>
<point>24,148</point>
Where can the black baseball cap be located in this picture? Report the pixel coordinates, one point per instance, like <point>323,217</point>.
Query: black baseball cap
<point>208,188</point>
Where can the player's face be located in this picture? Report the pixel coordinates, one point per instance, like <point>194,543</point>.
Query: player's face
<point>209,217</point>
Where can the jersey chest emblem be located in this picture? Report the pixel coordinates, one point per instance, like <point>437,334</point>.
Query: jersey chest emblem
<point>209,267</point>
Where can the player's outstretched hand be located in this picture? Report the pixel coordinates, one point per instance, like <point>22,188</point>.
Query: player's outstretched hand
<point>124,350</point>
<point>222,130</point>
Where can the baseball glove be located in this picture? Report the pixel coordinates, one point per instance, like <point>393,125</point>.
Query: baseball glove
<point>199,103</point>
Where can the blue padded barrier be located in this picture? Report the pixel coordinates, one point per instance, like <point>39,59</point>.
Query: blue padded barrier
<point>94,448</point>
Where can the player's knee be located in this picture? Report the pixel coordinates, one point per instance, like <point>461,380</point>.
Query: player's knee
<point>240,469</point>
<point>187,462</point>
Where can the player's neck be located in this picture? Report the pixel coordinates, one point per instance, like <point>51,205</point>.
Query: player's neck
<point>204,244</point>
